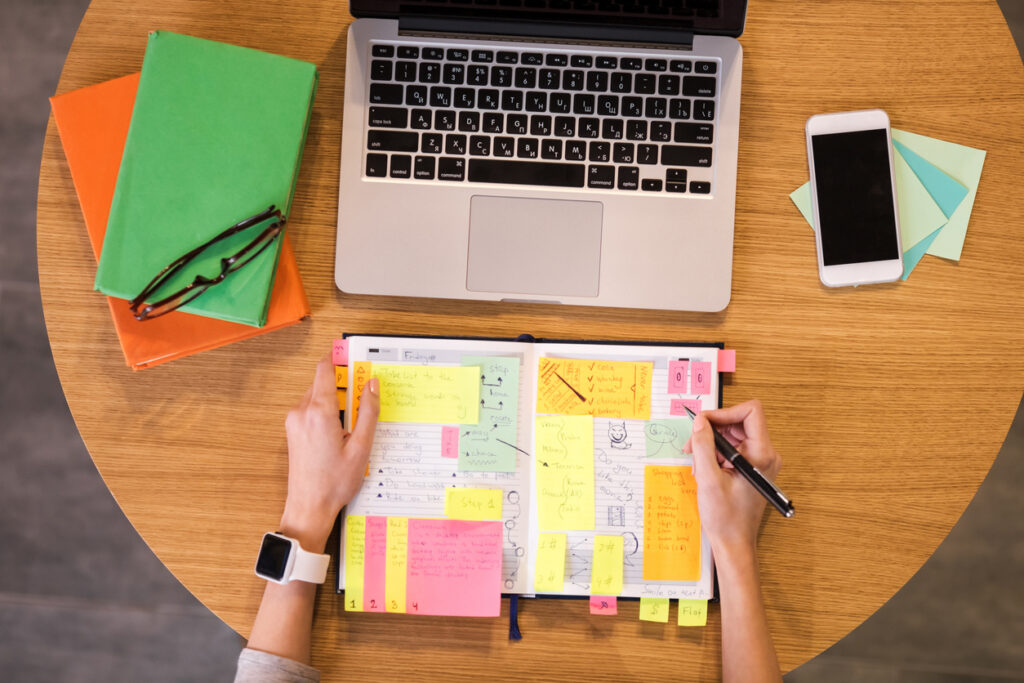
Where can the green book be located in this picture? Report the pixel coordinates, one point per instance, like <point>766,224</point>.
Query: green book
<point>216,137</point>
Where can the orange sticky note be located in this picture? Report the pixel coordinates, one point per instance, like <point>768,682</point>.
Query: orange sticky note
<point>360,376</point>
<point>342,397</point>
<point>671,524</point>
<point>602,388</point>
<point>340,376</point>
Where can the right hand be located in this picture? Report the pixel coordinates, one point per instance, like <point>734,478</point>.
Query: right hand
<point>730,508</point>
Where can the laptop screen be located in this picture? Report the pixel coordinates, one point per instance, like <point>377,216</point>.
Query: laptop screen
<point>715,17</point>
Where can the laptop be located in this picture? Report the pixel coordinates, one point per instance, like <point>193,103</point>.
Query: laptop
<point>554,151</point>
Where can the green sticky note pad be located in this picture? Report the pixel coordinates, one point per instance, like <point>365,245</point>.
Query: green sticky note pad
<point>216,137</point>
<point>666,438</point>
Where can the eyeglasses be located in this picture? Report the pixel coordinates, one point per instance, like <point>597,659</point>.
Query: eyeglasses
<point>201,283</point>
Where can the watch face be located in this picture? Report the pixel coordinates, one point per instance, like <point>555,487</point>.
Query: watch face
<point>273,557</point>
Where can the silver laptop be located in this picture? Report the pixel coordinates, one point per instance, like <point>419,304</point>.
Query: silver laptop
<point>549,151</point>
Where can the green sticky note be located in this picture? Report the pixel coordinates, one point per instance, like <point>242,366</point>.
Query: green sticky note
<point>666,438</point>
<point>654,609</point>
<point>964,165</point>
<point>216,137</point>
<point>490,445</point>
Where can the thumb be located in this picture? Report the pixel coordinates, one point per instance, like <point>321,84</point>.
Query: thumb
<point>366,420</point>
<point>702,443</point>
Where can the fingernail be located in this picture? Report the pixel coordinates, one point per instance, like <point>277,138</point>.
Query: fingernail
<point>374,385</point>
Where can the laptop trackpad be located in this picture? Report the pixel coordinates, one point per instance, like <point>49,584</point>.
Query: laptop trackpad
<point>534,246</point>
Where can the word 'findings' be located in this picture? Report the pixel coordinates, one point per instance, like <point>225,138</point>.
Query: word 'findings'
<point>422,393</point>
<point>565,472</point>
<point>671,524</point>
<point>489,445</point>
<point>569,386</point>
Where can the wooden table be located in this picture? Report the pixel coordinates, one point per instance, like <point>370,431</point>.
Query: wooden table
<point>888,403</point>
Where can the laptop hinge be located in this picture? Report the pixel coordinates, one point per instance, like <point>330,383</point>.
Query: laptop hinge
<point>539,31</point>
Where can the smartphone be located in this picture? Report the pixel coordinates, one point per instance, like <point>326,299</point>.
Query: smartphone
<point>853,196</point>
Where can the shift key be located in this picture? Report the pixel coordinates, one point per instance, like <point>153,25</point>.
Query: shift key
<point>392,141</point>
<point>684,155</point>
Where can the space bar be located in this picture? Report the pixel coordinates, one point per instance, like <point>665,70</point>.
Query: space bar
<point>526,172</point>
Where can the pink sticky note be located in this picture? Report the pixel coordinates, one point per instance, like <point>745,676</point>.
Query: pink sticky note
<point>727,360</point>
<point>678,406</point>
<point>449,442</point>
<point>454,568</point>
<point>375,561</point>
<point>603,604</point>
<point>677,376</point>
<point>700,378</point>
<point>339,352</point>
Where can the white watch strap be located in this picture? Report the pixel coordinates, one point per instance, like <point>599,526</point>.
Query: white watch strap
<point>311,567</point>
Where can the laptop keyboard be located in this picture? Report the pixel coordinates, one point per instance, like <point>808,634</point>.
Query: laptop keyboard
<point>529,117</point>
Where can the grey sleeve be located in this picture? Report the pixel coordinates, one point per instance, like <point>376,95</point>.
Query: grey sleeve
<point>262,667</point>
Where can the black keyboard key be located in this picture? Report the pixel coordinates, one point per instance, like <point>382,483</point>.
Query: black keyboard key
<point>383,50</point>
<point>434,53</point>
<point>589,127</point>
<point>575,150</point>
<point>705,68</point>
<point>699,86</point>
<point>454,74</point>
<point>456,54</point>
<point>493,123</point>
<point>650,185</point>
<point>608,105</point>
<point>602,177</point>
<point>389,117</point>
<point>565,126</point>
<point>655,64</point>
<point>582,61</point>
<point>681,66</point>
<point>526,77</point>
<point>655,107</point>
<point>465,98</point>
<point>549,79</point>
<point>607,62</point>
<point>420,119</point>
<point>583,104</point>
<point>636,130</point>
<point>643,84</point>
<point>451,169</point>
<point>444,119</point>
<point>633,106</point>
<point>555,174</point>
<point>631,63</point>
<point>430,72</point>
<point>573,80</point>
<point>647,154</point>
<point>668,84</point>
<point>401,166</point>
<point>380,70</point>
<point>661,131</point>
<point>469,121</point>
<point>415,95</point>
<point>505,57</point>
<point>479,146</point>
<point>675,187</point>
<point>624,153</point>
<point>704,110</point>
<point>556,60</point>
<point>679,109</point>
<point>405,72</point>
<point>515,124</point>
<point>485,56</point>
<point>699,187</point>
<point>501,76</point>
<point>477,75</point>
<point>440,96</point>
<point>534,58</point>
<point>408,52</point>
<point>540,125</point>
<point>701,133</point>
<point>536,101</point>
<point>376,165</point>
<point>385,93</point>
<point>423,168</point>
<point>629,178</point>
<point>679,155</point>
<point>600,151</point>
<point>551,149</point>
<point>621,82</point>
<point>392,141</point>
<point>560,103</point>
<point>512,100</point>
<point>488,98</point>
<point>612,129</point>
<point>454,143</point>
<point>504,147</point>
<point>527,148</point>
<point>431,143</point>
<point>597,81</point>
<point>675,175</point>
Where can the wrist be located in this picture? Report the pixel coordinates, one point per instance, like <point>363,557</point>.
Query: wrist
<point>734,554</point>
<point>310,530</point>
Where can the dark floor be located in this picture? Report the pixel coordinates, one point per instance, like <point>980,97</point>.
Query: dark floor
<point>83,599</point>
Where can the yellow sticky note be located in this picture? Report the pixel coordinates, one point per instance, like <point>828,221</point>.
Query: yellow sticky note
<point>355,558</point>
<point>693,612</point>
<point>549,575</point>
<point>602,388</point>
<point>360,376</point>
<point>428,393</point>
<point>341,376</point>
<point>606,578</point>
<point>565,472</point>
<point>671,524</point>
<point>342,396</point>
<point>472,504</point>
<point>654,609</point>
<point>395,564</point>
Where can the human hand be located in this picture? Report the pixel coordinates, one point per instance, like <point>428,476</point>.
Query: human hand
<point>326,464</point>
<point>730,508</point>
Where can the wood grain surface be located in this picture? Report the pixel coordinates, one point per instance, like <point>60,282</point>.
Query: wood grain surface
<point>888,403</point>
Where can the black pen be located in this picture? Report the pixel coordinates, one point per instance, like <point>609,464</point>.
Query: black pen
<point>749,472</point>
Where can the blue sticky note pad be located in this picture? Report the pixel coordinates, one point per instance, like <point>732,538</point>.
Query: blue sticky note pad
<point>912,256</point>
<point>946,191</point>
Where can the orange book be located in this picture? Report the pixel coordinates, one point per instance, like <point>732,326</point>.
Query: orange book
<point>93,125</point>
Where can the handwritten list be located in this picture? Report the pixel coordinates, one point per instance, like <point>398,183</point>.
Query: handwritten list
<point>489,444</point>
<point>602,388</point>
<point>671,524</point>
<point>424,393</point>
<point>454,568</point>
<point>565,472</point>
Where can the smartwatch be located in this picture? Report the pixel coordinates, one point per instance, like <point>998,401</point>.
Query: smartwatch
<point>282,559</point>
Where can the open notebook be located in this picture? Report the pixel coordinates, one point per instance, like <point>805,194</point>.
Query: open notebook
<point>560,444</point>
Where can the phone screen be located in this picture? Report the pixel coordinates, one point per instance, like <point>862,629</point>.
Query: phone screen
<point>856,217</point>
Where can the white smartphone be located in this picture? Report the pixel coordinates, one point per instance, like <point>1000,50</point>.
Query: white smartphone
<point>853,194</point>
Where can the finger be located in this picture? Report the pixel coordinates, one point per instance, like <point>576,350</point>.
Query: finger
<point>749,413</point>
<point>324,389</point>
<point>366,423</point>
<point>705,462</point>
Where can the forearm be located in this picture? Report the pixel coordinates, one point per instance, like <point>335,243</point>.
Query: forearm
<point>748,654</point>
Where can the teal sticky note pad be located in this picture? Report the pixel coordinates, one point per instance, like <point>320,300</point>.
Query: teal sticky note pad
<point>666,438</point>
<point>490,445</point>
<point>913,256</point>
<point>946,191</point>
